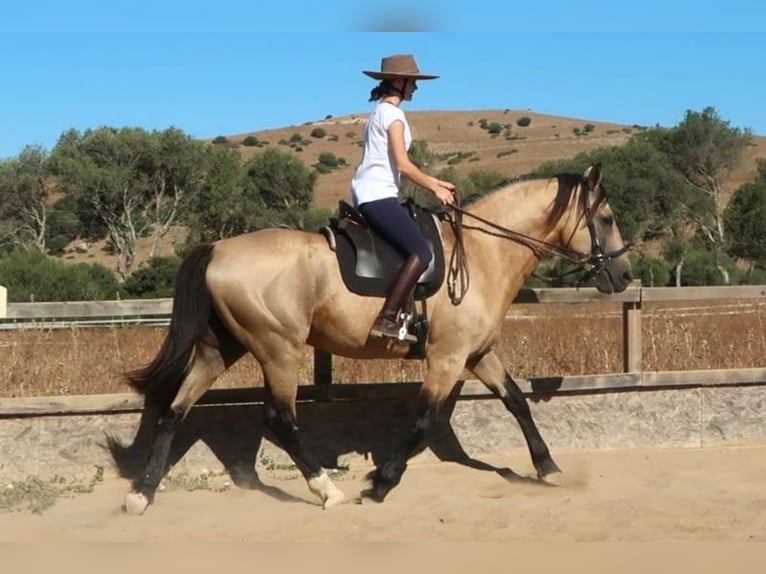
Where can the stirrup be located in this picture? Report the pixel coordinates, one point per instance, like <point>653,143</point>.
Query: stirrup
<point>402,334</point>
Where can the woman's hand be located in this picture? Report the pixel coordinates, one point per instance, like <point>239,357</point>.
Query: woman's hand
<point>444,190</point>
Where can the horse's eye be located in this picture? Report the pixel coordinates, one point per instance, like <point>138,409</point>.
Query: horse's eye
<point>607,220</point>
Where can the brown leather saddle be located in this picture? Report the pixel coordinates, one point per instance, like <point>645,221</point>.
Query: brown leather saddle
<point>368,262</point>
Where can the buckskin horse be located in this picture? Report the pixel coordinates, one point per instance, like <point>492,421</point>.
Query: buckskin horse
<point>272,291</point>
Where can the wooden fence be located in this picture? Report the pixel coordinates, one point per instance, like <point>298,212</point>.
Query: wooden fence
<point>157,312</point>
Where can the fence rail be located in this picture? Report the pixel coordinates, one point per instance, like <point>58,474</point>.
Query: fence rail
<point>157,312</point>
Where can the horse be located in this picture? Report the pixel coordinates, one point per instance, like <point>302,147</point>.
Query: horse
<point>270,292</point>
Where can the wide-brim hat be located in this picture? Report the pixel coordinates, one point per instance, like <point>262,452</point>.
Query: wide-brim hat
<point>399,66</point>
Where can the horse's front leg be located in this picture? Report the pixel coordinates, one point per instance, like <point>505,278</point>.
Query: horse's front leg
<point>440,379</point>
<point>490,370</point>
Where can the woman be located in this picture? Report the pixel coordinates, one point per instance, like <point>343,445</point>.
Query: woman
<point>375,186</point>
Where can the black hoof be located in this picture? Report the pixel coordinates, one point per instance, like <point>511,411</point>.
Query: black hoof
<point>384,479</point>
<point>375,494</point>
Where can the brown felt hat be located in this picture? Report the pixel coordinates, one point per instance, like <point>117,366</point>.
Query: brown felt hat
<point>399,66</point>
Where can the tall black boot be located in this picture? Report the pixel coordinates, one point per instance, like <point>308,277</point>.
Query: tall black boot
<point>386,325</point>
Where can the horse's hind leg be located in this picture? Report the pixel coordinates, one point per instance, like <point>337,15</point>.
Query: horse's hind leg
<point>208,363</point>
<point>490,370</point>
<point>281,378</point>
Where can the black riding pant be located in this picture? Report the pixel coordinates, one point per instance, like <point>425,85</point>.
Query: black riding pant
<point>391,220</point>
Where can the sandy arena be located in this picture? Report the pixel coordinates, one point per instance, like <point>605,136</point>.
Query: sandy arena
<point>710,494</point>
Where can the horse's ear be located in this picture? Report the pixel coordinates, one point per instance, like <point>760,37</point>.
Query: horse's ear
<point>593,176</point>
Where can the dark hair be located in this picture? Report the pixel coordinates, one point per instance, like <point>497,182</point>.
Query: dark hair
<point>383,89</point>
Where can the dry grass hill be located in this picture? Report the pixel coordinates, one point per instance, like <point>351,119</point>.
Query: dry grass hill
<point>511,153</point>
<point>451,134</point>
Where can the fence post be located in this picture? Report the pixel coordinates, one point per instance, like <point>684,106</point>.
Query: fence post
<point>3,302</point>
<point>632,353</point>
<point>323,370</point>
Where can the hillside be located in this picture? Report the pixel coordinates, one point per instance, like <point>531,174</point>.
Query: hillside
<point>447,132</point>
<point>451,132</point>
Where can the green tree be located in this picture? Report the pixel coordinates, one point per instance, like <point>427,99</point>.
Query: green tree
<point>705,149</point>
<point>221,207</point>
<point>25,190</point>
<point>745,220</point>
<point>650,197</point>
<point>105,170</point>
<point>174,170</point>
<point>279,181</point>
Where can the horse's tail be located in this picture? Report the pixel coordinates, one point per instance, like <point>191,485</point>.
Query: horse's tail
<point>160,380</point>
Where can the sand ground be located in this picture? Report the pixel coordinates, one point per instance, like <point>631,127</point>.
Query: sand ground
<point>710,494</point>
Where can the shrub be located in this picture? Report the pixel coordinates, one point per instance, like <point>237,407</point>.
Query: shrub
<point>56,245</point>
<point>652,271</point>
<point>155,280</point>
<point>33,276</point>
<point>523,121</point>
<point>250,141</point>
<point>318,133</point>
<point>587,128</point>
<point>219,140</point>
<point>494,128</point>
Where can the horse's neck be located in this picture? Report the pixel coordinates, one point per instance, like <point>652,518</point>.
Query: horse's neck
<point>522,208</point>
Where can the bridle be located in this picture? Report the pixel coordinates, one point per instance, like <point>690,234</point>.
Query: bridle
<point>593,262</point>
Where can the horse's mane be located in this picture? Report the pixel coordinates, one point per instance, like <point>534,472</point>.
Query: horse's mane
<point>568,184</point>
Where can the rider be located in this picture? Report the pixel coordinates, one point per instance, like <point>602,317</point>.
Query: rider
<point>375,185</point>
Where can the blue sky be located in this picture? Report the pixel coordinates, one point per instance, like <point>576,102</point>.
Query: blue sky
<point>214,69</point>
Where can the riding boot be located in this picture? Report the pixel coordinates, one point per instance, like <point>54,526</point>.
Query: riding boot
<point>386,325</point>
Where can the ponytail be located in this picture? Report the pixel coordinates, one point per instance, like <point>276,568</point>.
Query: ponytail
<point>383,89</point>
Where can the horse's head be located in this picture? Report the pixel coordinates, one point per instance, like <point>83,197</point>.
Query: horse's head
<point>593,232</point>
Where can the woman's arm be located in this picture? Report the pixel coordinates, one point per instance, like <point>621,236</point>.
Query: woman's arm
<point>441,189</point>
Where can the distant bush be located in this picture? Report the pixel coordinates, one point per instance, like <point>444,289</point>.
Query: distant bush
<point>219,140</point>
<point>155,280</point>
<point>250,141</point>
<point>494,128</point>
<point>588,128</point>
<point>318,133</point>
<point>296,138</point>
<point>652,271</point>
<point>507,152</point>
<point>523,121</point>
<point>31,276</point>
<point>56,245</point>
<point>328,162</point>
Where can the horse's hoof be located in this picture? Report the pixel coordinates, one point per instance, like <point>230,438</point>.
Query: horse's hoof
<point>136,503</point>
<point>376,494</point>
<point>325,489</point>
<point>553,478</point>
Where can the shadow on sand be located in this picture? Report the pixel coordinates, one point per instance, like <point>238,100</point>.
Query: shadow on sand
<point>330,429</point>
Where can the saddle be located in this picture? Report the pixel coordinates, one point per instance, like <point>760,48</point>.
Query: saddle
<point>368,262</point>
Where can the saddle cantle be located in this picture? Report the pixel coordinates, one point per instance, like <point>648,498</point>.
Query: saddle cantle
<point>368,262</point>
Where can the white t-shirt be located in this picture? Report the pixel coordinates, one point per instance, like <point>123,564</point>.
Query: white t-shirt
<point>376,176</point>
